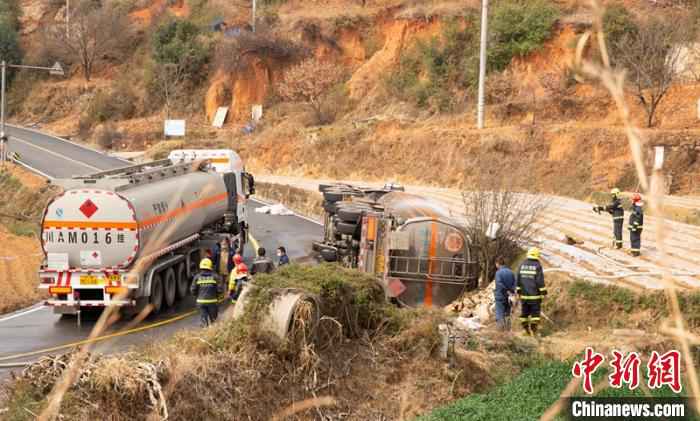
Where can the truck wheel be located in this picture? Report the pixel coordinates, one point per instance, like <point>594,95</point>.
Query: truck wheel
<point>334,195</point>
<point>170,287</point>
<point>156,298</point>
<point>347,228</point>
<point>329,255</point>
<point>329,207</point>
<point>351,213</point>
<point>183,282</point>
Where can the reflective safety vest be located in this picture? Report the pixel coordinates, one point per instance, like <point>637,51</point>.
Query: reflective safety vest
<point>530,281</point>
<point>636,219</point>
<point>206,288</point>
<point>615,209</point>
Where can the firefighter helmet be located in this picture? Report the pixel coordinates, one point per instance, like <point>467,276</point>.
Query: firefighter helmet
<point>636,198</point>
<point>206,264</point>
<point>615,191</point>
<point>533,253</point>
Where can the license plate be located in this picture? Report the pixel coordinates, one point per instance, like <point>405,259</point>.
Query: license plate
<point>91,280</point>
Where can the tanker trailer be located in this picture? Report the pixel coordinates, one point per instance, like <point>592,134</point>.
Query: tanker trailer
<point>417,252</point>
<point>133,236</point>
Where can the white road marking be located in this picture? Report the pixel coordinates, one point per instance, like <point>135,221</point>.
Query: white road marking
<point>56,154</point>
<point>23,313</point>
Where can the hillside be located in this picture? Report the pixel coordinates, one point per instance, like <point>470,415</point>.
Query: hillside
<point>389,116</point>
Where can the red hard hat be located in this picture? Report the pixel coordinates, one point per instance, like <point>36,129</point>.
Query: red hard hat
<point>636,198</point>
<point>237,258</point>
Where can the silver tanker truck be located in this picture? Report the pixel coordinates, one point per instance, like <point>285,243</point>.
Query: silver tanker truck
<point>134,236</point>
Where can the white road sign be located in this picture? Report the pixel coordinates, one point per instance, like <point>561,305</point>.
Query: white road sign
<point>174,128</point>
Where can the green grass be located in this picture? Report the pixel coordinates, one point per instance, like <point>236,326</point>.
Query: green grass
<point>524,398</point>
<point>529,395</point>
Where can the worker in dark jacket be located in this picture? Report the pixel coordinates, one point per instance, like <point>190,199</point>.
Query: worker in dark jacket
<point>531,290</point>
<point>618,215</point>
<point>636,224</point>
<point>282,256</point>
<point>207,287</point>
<point>504,286</point>
<point>262,263</point>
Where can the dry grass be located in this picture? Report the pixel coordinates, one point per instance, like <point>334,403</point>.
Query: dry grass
<point>22,198</point>
<point>299,200</point>
<point>234,370</point>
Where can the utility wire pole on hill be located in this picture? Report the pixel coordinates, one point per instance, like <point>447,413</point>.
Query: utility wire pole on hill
<point>253,18</point>
<point>482,63</point>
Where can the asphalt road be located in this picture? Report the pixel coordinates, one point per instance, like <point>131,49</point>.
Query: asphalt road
<point>56,157</point>
<point>38,328</point>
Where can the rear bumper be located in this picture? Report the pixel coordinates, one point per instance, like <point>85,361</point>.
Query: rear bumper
<point>72,306</point>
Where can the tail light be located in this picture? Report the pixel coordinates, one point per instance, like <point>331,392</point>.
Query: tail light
<point>47,280</point>
<point>60,290</point>
<point>116,290</point>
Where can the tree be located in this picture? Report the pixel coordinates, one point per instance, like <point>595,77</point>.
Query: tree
<point>652,57</point>
<point>9,43</point>
<point>308,81</point>
<point>618,22</point>
<point>177,42</point>
<point>95,32</point>
<point>492,198</point>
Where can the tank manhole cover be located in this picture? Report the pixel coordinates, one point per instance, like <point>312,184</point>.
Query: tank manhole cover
<point>88,208</point>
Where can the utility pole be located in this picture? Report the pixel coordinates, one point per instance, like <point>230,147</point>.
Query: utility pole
<point>253,18</point>
<point>3,138</point>
<point>482,63</point>
<point>67,18</point>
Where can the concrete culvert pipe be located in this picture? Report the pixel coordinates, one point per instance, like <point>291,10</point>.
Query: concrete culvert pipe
<point>292,313</point>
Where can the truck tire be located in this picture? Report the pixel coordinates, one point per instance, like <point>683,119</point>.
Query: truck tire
<point>329,207</point>
<point>351,213</point>
<point>329,255</point>
<point>169,287</point>
<point>156,297</point>
<point>334,195</point>
<point>183,282</point>
<point>323,187</point>
<point>347,228</point>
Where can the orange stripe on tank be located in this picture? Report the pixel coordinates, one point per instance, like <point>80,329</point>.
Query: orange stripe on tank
<point>183,210</point>
<point>90,224</point>
<point>432,250</point>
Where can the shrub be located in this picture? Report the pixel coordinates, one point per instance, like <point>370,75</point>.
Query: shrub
<point>119,103</point>
<point>519,27</point>
<point>430,72</point>
<point>618,22</point>
<point>9,44</point>
<point>106,136</point>
<point>437,73</point>
<point>178,42</point>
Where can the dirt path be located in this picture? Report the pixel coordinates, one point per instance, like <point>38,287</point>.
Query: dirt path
<point>594,259</point>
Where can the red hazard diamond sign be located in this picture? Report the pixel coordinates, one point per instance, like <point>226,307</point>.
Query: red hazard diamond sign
<point>88,208</point>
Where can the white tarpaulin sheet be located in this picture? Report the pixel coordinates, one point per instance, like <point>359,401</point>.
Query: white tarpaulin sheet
<point>277,209</point>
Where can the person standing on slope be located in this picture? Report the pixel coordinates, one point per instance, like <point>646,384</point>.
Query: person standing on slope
<point>618,215</point>
<point>531,290</point>
<point>504,287</point>
<point>636,224</point>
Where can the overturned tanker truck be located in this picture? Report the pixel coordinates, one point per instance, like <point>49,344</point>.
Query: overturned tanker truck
<point>420,256</point>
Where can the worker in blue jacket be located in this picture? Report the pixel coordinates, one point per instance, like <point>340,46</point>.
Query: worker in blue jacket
<point>504,286</point>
